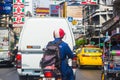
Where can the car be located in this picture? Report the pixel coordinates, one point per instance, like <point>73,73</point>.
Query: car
<point>89,56</point>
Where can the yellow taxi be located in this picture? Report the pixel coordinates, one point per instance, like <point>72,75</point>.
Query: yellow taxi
<point>89,56</point>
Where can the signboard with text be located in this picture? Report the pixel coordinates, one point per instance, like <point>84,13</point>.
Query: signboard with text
<point>40,10</point>
<point>18,2</point>
<point>5,8</point>
<point>91,2</point>
<point>18,13</point>
<point>18,20</point>
<point>54,10</point>
<point>8,1</point>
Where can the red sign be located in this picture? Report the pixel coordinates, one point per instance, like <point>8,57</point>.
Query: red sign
<point>18,2</point>
<point>18,20</point>
<point>88,2</point>
<point>18,9</point>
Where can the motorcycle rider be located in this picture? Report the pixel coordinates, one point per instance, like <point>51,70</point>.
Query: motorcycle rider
<point>65,53</point>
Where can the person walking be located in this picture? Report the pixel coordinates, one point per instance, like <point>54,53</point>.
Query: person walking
<point>65,54</point>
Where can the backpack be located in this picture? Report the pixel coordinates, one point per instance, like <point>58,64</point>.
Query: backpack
<point>51,55</point>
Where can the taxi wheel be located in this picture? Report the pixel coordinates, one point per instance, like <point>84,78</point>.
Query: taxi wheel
<point>80,66</point>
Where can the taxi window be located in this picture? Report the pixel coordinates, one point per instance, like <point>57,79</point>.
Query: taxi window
<point>91,50</point>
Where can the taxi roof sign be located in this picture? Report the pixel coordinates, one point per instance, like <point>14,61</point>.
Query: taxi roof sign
<point>70,19</point>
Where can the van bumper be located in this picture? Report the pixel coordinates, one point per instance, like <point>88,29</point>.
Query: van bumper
<point>34,73</point>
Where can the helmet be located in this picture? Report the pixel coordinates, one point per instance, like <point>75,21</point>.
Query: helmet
<point>59,33</point>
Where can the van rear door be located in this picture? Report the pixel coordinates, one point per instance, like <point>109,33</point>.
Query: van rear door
<point>36,33</point>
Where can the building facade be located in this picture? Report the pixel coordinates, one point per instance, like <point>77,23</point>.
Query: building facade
<point>113,25</point>
<point>95,15</point>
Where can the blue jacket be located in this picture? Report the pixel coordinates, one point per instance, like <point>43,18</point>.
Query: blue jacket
<point>65,53</point>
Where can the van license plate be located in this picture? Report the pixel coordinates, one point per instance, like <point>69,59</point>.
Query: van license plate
<point>48,78</point>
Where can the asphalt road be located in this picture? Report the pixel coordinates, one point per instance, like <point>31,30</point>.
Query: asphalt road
<point>80,74</point>
<point>88,74</point>
<point>9,73</point>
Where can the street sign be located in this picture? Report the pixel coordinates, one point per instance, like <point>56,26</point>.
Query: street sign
<point>89,2</point>
<point>70,19</point>
<point>74,22</point>
<point>18,13</point>
<point>40,10</point>
<point>54,10</point>
<point>18,9</point>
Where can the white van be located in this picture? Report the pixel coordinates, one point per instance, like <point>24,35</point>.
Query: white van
<point>35,35</point>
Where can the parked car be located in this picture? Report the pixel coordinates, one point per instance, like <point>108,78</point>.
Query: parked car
<point>89,56</point>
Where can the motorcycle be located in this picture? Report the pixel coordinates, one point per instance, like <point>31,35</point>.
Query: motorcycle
<point>51,73</point>
<point>111,59</point>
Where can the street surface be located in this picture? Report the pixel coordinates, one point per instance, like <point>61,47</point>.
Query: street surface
<point>88,74</point>
<point>8,73</point>
<point>91,73</point>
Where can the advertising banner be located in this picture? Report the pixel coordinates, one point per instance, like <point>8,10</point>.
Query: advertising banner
<point>18,2</point>
<point>40,10</point>
<point>89,2</point>
<point>4,39</point>
<point>5,8</point>
<point>8,1</point>
<point>18,13</point>
<point>54,10</point>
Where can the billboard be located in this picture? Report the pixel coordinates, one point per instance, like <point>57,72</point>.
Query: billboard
<point>8,1</point>
<point>74,11</point>
<point>18,13</point>
<point>5,8</point>
<point>40,10</point>
<point>91,2</point>
<point>54,10</point>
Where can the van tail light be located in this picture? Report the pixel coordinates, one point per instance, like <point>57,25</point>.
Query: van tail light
<point>74,62</point>
<point>18,60</point>
<point>48,74</point>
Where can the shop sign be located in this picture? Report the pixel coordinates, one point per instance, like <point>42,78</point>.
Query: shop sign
<point>18,20</point>
<point>54,10</point>
<point>42,10</point>
<point>5,8</point>
<point>18,9</point>
<point>18,1</point>
<point>91,2</point>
